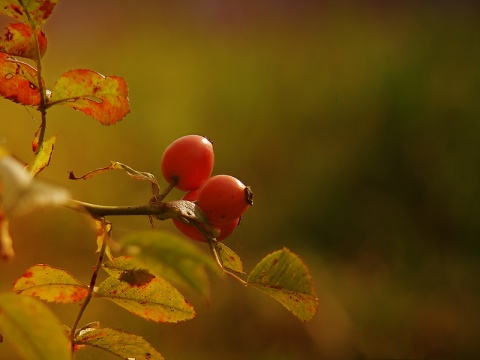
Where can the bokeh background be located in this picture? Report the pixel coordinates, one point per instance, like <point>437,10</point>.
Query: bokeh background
<point>358,128</point>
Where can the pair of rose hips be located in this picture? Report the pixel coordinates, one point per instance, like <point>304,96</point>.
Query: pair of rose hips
<point>188,163</point>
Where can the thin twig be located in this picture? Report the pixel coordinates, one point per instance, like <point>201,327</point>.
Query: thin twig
<point>91,289</point>
<point>165,192</point>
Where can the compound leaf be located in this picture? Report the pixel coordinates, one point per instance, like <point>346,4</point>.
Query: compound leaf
<point>38,10</point>
<point>32,328</point>
<point>50,284</point>
<point>120,343</point>
<point>18,40</point>
<point>105,98</point>
<point>18,81</point>
<point>284,276</point>
<point>171,257</point>
<point>147,296</point>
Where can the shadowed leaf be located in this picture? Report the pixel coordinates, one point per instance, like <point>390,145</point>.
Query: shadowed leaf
<point>50,284</point>
<point>171,257</point>
<point>32,328</point>
<point>18,40</point>
<point>138,277</point>
<point>18,81</point>
<point>105,98</point>
<point>155,300</point>
<point>38,10</point>
<point>118,342</point>
<point>43,156</point>
<point>284,276</point>
<point>127,269</point>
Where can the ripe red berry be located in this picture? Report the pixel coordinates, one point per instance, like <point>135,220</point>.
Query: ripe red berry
<point>225,230</point>
<point>193,233</point>
<point>189,230</point>
<point>188,161</point>
<point>224,198</point>
<point>191,195</point>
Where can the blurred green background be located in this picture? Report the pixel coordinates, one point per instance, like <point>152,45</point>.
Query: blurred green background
<point>357,127</point>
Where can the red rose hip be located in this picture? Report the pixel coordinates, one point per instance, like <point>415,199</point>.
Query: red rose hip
<point>225,230</point>
<point>224,198</point>
<point>188,161</point>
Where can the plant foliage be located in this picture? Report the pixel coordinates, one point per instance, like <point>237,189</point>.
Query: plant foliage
<point>148,266</point>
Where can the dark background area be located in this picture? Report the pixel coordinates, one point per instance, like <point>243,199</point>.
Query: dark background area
<point>357,126</point>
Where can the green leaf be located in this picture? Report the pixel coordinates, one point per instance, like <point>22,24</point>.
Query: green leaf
<point>105,98</point>
<point>230,260</point>
<point>50,284</point>
<point>43,156</point>
<point>19,41</point>
<point>118,342</point>
<point>32,328</point>
<point>38,10</point>
<point>147,296</point>
<point>171,257</point>
<point>18,81</point>
<point>285,277</point>
<point>122,264</point>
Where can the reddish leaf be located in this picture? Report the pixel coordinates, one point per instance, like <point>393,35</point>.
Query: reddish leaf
<point>19,41</point>
<point>39,10</point>
<point>18,81</point>
<point>50,284</point>
<point>105,98</point>
<point>147,296</point>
